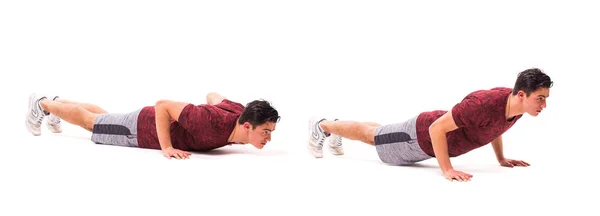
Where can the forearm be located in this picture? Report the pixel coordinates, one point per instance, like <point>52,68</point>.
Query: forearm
<point>163,124</point>
<point>440,149</point>
<point>498,149</point>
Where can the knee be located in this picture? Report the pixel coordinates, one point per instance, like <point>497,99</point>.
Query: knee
<point>369,135</point>
<point>89,123</point>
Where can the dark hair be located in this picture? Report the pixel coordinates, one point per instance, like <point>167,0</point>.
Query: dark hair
<point>259,112</point>
<point>531,80</point>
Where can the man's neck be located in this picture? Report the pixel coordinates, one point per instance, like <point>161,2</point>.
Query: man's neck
<point>513,108</point>
<point>237,136</point>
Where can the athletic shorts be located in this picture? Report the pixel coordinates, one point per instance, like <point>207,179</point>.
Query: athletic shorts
<point>396,144</point>
<point>116,129</point>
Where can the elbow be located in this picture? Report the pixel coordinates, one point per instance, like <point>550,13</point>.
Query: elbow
<point>214,98</point>
<point>161,105</point>
<point>433,129</point>
<point>161,109</point>
<point>208,96</point>
<point>436,131</point>
<point>211,95</point>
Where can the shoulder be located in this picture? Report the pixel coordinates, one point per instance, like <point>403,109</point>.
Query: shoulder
<point>501,90</point>
<point>231,106</point>
<point>475,108</point>
<point>486,96</point>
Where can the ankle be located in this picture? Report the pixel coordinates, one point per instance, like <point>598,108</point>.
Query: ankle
<point>43,103</point>
<point>324,127</point>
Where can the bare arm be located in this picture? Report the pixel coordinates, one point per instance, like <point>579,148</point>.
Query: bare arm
<point>165,111</point>
<point>214,98</point>
<point>497,145</point>
<point>437,131</point>
<point>498,149</point>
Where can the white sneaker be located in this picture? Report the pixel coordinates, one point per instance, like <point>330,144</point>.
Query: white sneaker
<point>316,137</point>
<point>335,144</point>
<point>53,122</point>
<point>35,115</point>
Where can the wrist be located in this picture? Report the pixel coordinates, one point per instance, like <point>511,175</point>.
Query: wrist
<point>447,170</point>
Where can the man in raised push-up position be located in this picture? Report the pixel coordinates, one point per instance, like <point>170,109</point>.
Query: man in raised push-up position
<point>171,126</point>
<point>480,118</point>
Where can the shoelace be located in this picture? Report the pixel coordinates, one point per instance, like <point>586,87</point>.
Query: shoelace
<point>320,144</point>
<point>39,120</point>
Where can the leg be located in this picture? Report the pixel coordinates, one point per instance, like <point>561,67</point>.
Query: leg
<point>54,122</point>
<point>353,130</point>
<point>70,112</point>
<point>320,129</point>
<point>372,124</point>
<point>89,107</point>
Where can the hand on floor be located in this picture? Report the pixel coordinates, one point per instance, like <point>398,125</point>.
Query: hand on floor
<point>176,153</point>
<point>457,175</point>
<point>513,163</point>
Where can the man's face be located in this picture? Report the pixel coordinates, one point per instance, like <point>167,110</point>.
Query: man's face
<point>535,102</point>
<point>260,135</point>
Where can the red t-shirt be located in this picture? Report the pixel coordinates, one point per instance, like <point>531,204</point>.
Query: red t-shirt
<point>199,128</point>
<point>480,118</point>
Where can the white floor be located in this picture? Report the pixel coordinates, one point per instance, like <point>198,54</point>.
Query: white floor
<point>365,61</point>
<point>68,175</point>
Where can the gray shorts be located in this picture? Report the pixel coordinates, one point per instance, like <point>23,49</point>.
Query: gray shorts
<point>396,144</point>
<point>116,129</point>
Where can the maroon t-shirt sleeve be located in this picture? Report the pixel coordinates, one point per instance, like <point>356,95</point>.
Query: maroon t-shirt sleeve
<point>470,112</point>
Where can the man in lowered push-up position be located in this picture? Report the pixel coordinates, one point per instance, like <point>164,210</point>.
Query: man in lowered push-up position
<point>480,118</point>
<point>171,126</point>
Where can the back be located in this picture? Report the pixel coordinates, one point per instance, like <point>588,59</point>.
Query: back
<point>480,118</point>
<point>199,127</point>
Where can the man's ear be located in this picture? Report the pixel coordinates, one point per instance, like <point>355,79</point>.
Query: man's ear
<point>247,125</point>
<point>521,94</point>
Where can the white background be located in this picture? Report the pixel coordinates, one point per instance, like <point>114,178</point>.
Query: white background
<point>381,61</point>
